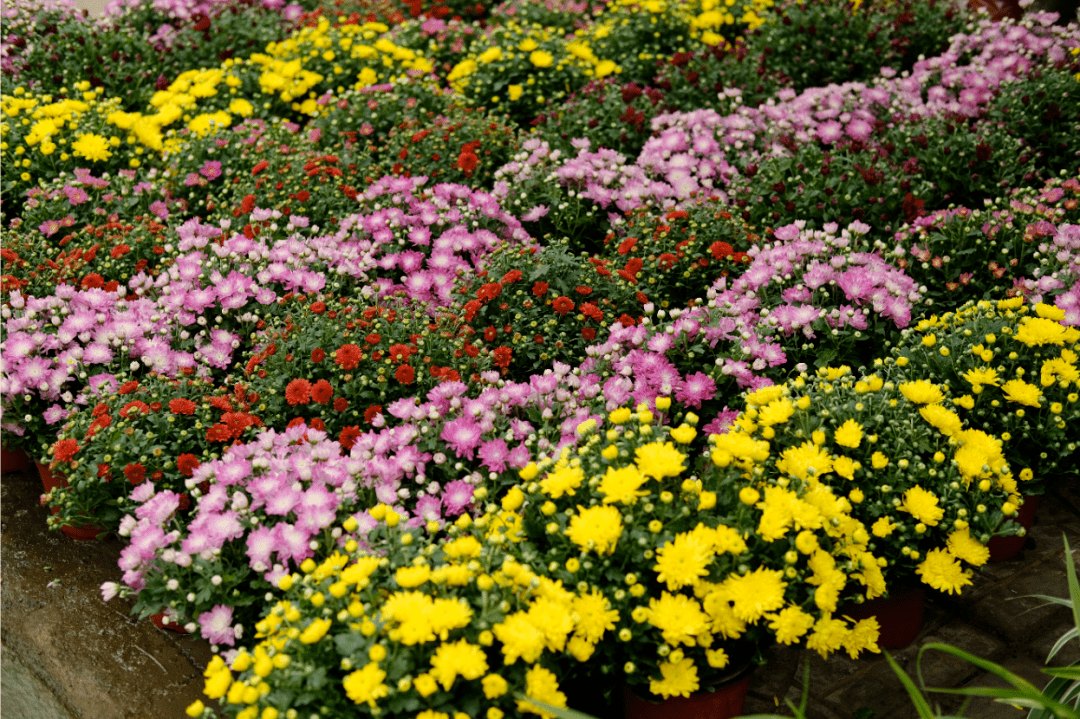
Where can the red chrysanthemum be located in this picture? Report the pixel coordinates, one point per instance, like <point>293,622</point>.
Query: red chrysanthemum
<point>341,404</point>
<point>219,433</point>
<point>135,473</point>
<point>129,387</point>
<point>371,412</point>
<point>502,356</point>
<point>221,403</point>
<point>511,277</point>
<point>316,423</point>
<point>181,406</point>
<point>721,250</point>
<point>540,289</point>
<point>322,391</point>
<point>399,352</point>
<point>592,311</point>
<point>348,356</point>
<point>562,304</point>
<point>260,167</point>
<point>627,321</point>
<point>348,437</point>
<point>488,292</point>
<point>318,307</point>
<point>317,355</point>
<point>583,290</point>
<point>405,374</point>
<point>138,406</point>
<point>471,308</point>
<point>298,392</point>
<point>186,464</point>
<point>588,333</point>
<point>373,339</point>
<point>100,409</point>
<point>467,162</point>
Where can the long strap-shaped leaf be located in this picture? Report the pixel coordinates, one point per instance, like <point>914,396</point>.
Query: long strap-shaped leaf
<point>1023,693</point>
<point>921,705</point>
<point>557,711</point>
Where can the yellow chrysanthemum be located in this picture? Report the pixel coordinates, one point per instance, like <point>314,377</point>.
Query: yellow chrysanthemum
<point>808,459</point>
<point>412,577</point>
<point>922,392</point>
<point>1020,392</point>
<point>724,623</point>
<point>1058,370</point>
<point>683,561</point>
<point>829,635</point>
<point>540,58</point>
<point>1038,331</point>
<point>944,420</point>
<point>922,505</point>
<point>981,376</point>
<point>978,450</point>
<point>790,624</point>
<point>91,147</point>
<point>596,528</point>
<point>679,618</point>
<point>863,637</point>
<point>594,616</point>
<point>882,527</point>
<point>315,631</point>
<point>776,412</point>
<point>622,485</point>
<point>678,679</point>
<point>366,685</point>
<point>849,434</point>
<point>562,481</point>
<point>755,593</point>
<point>765,395</point>
<point>659,460</point>
<point>460,658</point>
<point>541,684</point>
<point>519,638</point>
<point>942,571</point>
<point>963,546</point>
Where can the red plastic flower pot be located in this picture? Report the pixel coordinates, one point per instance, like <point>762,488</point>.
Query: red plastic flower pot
<point>13,460</point>
<point>726,702</point>
<point>159,622</point>
<point>1005,548</point>
<point>900,615</point>
<point>51,480</point>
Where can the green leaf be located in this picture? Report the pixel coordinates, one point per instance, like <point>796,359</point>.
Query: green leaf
<point>349,644</point>
<point>921,705</point>
<point>557,711</point>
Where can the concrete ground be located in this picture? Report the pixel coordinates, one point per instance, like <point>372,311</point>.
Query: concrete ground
<point>68,655</point>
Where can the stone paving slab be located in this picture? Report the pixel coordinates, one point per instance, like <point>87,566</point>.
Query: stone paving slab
<point>92,658</point>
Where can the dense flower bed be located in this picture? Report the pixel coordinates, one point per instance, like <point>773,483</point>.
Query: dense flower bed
<point>426,358</point>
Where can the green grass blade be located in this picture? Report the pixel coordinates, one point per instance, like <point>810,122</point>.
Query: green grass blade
<point>921,705</point>
<point>1062,641</point>
<point>1017,681</point>
<point>557,711</point>
<point>1074,585</point>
